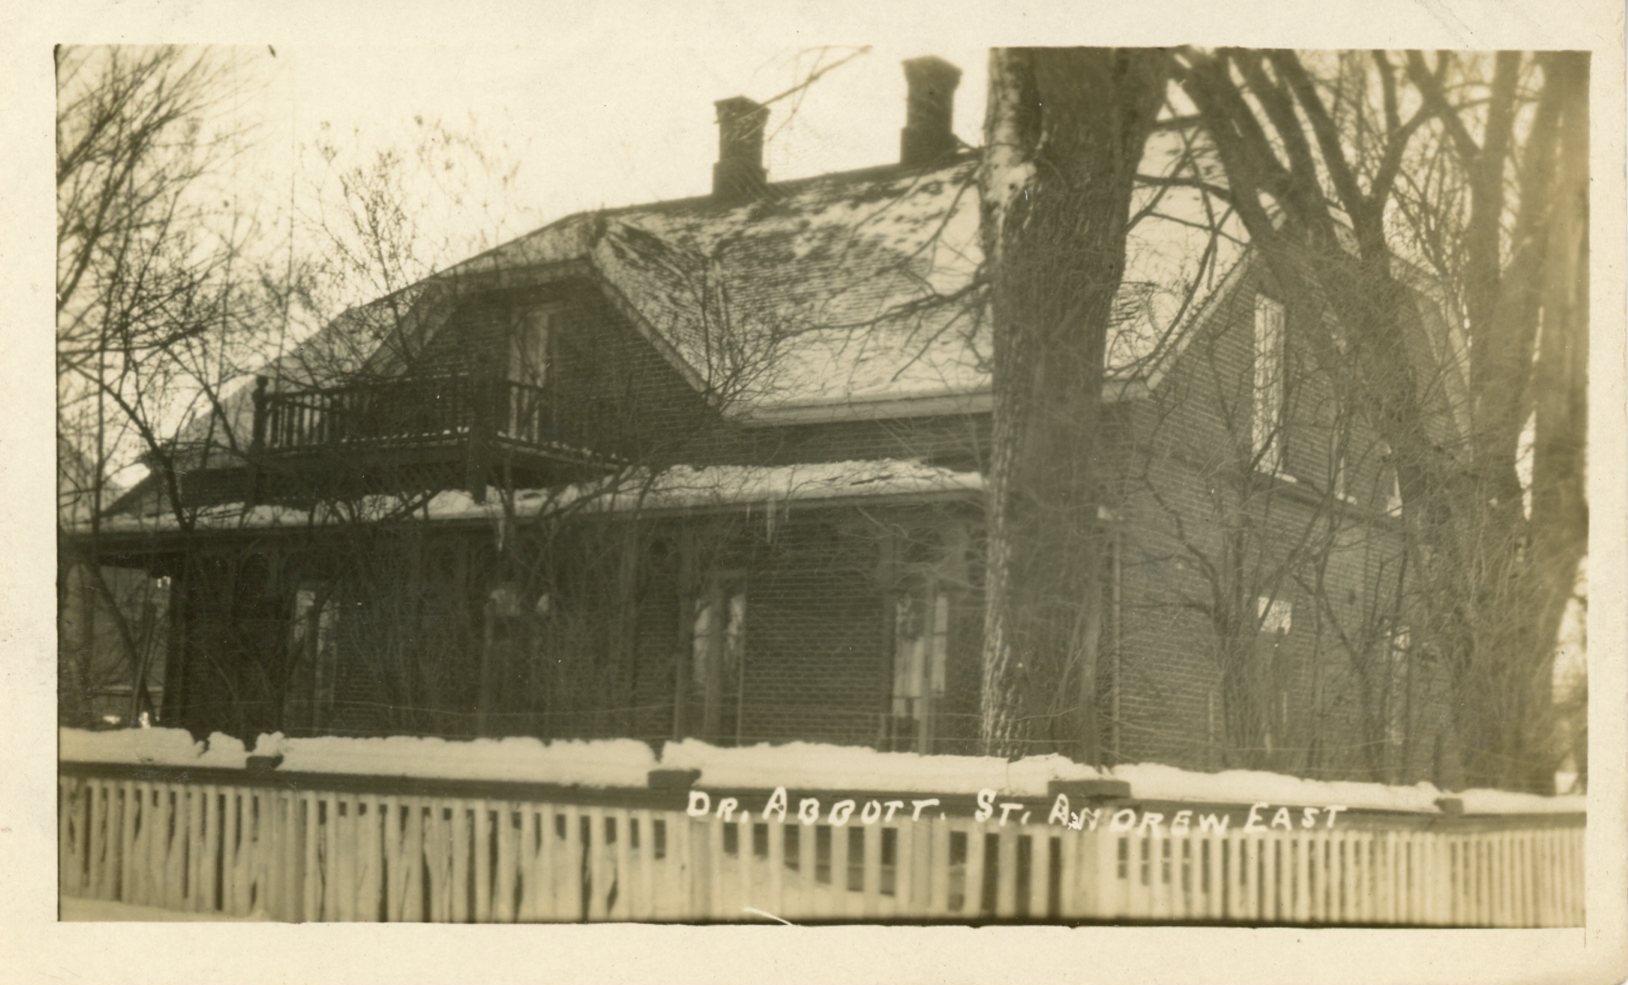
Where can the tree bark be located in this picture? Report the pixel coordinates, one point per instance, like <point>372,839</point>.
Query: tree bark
<point>1065,132</point>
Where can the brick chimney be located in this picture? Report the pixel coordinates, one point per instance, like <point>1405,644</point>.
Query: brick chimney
<point>929,110</point>
<point>739,173</point>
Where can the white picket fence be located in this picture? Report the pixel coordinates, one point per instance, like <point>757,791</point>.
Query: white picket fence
<point>329,855</point>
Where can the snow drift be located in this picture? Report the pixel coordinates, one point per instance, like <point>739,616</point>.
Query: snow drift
<point>798,766</point>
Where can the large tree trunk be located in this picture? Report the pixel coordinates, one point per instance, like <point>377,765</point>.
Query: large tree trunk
<point>1064,133</point>
<point>1511,713</point>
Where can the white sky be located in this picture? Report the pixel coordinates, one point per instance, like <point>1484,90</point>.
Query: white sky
<point>589,124</point>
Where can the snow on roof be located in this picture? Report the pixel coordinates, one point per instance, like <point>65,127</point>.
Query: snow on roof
<point>635,489</point>
<point>853,287</point>
<point>840,289</point>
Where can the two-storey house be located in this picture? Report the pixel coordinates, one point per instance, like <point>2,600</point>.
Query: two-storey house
<point>713,467</point>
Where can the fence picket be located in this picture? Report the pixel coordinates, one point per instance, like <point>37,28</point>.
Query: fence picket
<point>1039,873</point>
<point>568,884</point>
<point>939,869</point>
<point>646,896</point>
<point>91,790</point>
<point>839,871</point>
<point>1006,865</point>
<point>1157,848</point>
<point>333,855</point>
<point>481,833</point>
<point>542,879</point>
<point>972,898</point>
<point>595,847</point>
<point>527,907</point>
<point>776,834</point>
<point>871,871</point>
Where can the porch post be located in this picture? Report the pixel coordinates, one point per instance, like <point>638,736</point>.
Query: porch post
<point>627,581</point>
<point>683,645</point>
<point>175,648</point>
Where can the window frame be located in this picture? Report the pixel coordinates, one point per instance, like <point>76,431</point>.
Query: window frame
<point>1268,391</point>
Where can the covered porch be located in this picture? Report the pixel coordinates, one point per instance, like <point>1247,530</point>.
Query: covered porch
<point>836,602</point>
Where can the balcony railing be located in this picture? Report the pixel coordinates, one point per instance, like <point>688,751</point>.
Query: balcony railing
<point>422,411</point>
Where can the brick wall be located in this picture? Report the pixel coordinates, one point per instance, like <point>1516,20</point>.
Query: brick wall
<point>1205,536</point>
<point>1194,528</point>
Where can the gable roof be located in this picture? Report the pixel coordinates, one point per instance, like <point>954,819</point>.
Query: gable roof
<point>837,296</point>
<point>844,290</point>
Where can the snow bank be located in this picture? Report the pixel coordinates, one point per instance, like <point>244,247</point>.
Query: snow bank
<point>165,746</point>
<point>1483,801</point>
<point>599,763</point>
<point>814,766</point>
<point>155,746</point>
<point>1150,781</point>
<point>798,766</point>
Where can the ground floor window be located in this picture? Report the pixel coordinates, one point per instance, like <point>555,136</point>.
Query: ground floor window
<point>718,653</point>
<point>1398,681</point>
<point>313,629</point>
<point>921,626</point>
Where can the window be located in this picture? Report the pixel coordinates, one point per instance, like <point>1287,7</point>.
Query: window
<point>530,358</point>
<point>921,625</point>
<point>529,349</point>
<point>1267,420</point>
<point>1276,615</point>
<point>718,654</point>
<point>1339,480</point>
<point>1392,484</point>
<point>313,632</point>
<point>1397,681</point>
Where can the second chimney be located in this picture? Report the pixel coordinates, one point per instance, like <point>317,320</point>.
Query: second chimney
<point>739,173</point>
<point>929,110</point>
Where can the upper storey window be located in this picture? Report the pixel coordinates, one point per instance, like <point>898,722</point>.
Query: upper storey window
<point>530,348</point>
<point>1267,420</point>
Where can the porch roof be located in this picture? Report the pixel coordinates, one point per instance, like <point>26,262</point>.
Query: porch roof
<point>679,488</point>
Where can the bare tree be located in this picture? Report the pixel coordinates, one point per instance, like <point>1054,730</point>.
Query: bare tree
<point>1319,165</point>
<point>1064,135</point>
<point>149,302</point>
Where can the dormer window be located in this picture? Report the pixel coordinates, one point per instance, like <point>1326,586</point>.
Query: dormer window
<point>530,350</point>
<point>524,412</point>
<point>1266,429</point>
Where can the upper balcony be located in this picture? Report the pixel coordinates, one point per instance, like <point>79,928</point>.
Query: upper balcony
<point>488,426</point>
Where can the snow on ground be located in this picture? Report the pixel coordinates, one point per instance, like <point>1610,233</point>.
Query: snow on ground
<point>1482,801</point>
<point>598,763</point>
<point>815,766</point>
<point>75,910</point>
<point>157,746</point>
<point>798,766</point>
<point>1151,781</point>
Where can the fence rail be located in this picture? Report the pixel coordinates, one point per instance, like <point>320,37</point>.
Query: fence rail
<point>309,855</point>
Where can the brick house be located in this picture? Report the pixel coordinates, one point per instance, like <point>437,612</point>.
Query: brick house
<point>712,467</point>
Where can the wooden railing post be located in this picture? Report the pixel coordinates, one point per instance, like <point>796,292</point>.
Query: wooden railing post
<point>257,440</point>
<point>484,389</point>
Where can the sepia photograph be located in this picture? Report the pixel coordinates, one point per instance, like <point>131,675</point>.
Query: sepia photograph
<point>803,484</point>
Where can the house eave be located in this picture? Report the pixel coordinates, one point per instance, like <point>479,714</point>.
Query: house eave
<point>980,400</point>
